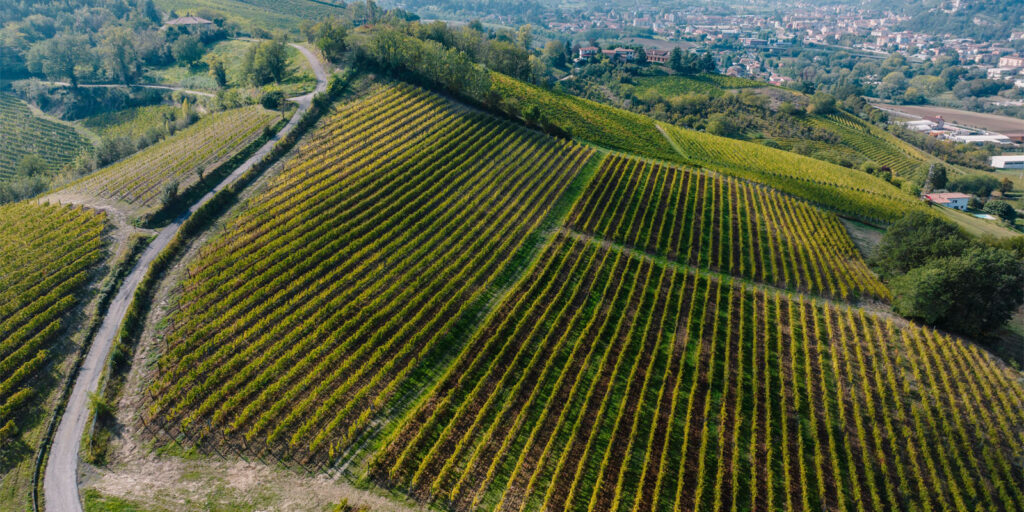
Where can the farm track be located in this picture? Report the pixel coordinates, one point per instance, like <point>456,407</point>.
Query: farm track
<point>60,482</point>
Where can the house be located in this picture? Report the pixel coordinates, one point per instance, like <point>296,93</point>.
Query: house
<point>1011,62</point>
<point>1008,162</point>
<point>620,54</point>
<point>658,56</point>
<point>188,21</point>
<point>587,52</point>
<point>954,200</point>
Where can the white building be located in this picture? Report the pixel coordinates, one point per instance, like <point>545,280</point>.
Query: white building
<point>1008,162</point>
<point>954,200</point>
<point>981,139</point>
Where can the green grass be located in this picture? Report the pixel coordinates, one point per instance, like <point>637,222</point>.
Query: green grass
<point>975,226</point>
<point>589,121</point>
<point>704,83</point>
<point>300,78</point>
<point>96,502</point>
<point>268,14</point>
<point>131,122</point>
<point>24,133</point>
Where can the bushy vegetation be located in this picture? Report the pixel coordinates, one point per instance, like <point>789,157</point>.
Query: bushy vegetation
<point>941,277</point>
<point>605,381</point>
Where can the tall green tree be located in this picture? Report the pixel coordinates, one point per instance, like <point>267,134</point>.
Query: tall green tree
<point>120,57</point>
<point>266,61</point>
<point>914,240</point>
<point>57,58</point>
<point>187,50</point>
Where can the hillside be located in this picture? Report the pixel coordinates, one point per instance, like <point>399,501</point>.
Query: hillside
<point>49,256</point>
<point>286,14</point>
<point>708,221</point>
<point>141,179</point>
<point>336,289</point>
<point>23,133</point>
<point>606,381</point>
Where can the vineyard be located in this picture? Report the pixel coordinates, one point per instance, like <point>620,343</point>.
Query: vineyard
<point>140,179</point>
<point>847,191</point>
<point>48,255</point>
<point>713,222</point>
<point>606,381</point>
<point>677,85</point>
<point>876,145</point>
<point>22,133</point>
<point>353,273</point>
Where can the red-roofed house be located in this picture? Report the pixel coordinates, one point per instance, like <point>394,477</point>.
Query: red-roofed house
<point>588,51</point>
<point>954,200</point>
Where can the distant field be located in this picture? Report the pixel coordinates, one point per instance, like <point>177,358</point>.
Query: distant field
<point>675,85</point>
<point>268,14</point>
<point>23,133</point>
<point>355,271</point>
<point>609,382</point>
<point>299,80</point>
<point>991,122</point>
<point>710,221</point>
<point>139,180</point>
<point>848,191</point>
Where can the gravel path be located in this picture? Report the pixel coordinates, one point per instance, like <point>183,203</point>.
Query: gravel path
<point>60,482</point>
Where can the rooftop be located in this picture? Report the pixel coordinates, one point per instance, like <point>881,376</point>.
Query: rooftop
<point>188,20</point>
<point>945,197</point>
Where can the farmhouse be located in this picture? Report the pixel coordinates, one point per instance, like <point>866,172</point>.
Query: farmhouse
<point>954,200</point>
<point>588,51</point>
<point>1008,162</point>
<point>188,21</point>
<point>658,56</point>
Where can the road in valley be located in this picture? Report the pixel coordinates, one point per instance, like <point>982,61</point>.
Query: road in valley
<point>60,481</point>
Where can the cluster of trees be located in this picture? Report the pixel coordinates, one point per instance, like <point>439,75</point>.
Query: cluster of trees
<point>101,40</point>
<point>266,62</point>
<point>941,277</point>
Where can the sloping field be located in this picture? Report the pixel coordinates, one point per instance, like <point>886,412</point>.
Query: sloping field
<point>605,381</point>
<point>844,190</point>
<point>285,14</point>
<point>588,120</point>
<point>713,222</point>
<point>47,258</point>
<point>139,180</point>
<point>22,133</point>
<point>876,145</point>
<point>358,267</point>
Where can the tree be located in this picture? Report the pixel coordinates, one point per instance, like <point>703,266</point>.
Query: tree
<point>272,100</point>
<point>265,62</point>
<point>675,60</point>
<point>120,57</point>
<point>330,39</point>
<point>31,165</point>
<point>554,53</point>
<point>974,184</point>
<point>913,240</point>
<point>936,178</point>
<point>57,57</point>
<point>972,293</point>
<point>187,50</point>
<point>525,36</point>
<point>219,72</point>
<point>1001,209</point>
<point>822,104</point>
<point>1006,186</point>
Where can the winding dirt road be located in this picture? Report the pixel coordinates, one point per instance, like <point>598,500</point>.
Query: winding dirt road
<point>60,482</point>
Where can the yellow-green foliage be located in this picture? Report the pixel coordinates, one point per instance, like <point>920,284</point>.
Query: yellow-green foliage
<point>847,191</point>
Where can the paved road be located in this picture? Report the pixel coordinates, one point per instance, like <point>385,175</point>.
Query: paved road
<point>60,482</point>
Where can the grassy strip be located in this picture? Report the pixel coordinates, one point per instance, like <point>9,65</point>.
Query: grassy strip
<point>135,318</point>
<point>106,294</point>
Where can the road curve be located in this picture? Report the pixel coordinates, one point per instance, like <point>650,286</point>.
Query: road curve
<point>60,481</point>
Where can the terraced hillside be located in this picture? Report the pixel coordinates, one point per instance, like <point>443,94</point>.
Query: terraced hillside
<point>709,221</point>
<point>354,272</point>
<point>48,256</point>
<point>140,179</point>
<point>876,145</point>
<point>22,133</point>
<point>844,190</point>
<point>607,381</point>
